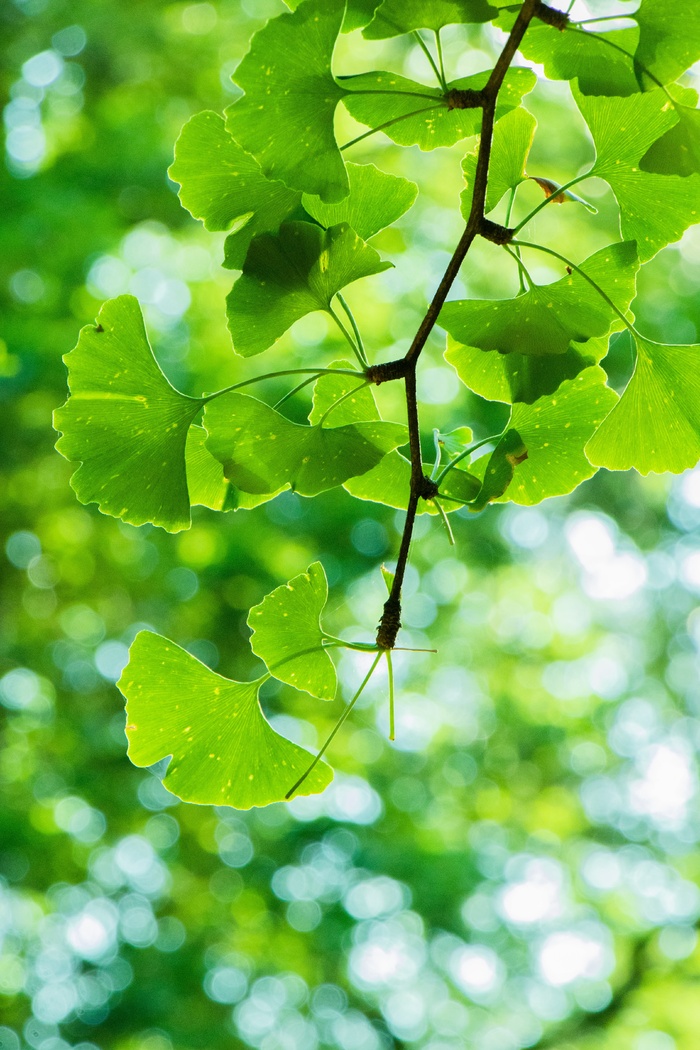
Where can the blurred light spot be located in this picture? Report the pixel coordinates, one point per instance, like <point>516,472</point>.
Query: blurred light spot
<point>609,575</point>
<point>566,957</point>
<point>235,849</point>
<point>137,923</point>
<point>690,487</point>
<point>80,820</point>
<point>183,583</point>
<point>369,537</point>
<point>352,1031</point>
<point>477,970</point>
<point>537,897</point>
<point>54,1002</point>
<point>27,286</point>
<point>171,934</point>
<point>690,570</point>
<point>199,19</point>
<point>439,386</point>
<point>26,144</point>
<point>225,984</point>
<point>9,1040</point>
<point>602,870</point>
<point>304,916</point>
<point>42,69</point>
<point>21,548</point>
<point>137,860</point>
<point>92,933</point>
<point>527,528</point>
<point>666,786</point>
<point>678,942</point>
<point>108,277</point>
<point>69,41</point>
<point>110,659</point>
<point>374,897</point>
<point>654,1041</point>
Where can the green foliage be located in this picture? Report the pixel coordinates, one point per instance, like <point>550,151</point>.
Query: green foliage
<point>224,751</point>
<point>274,178</point>
<point>125,423</point>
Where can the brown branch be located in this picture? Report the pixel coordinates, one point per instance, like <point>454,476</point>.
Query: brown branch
<point>488,97</point>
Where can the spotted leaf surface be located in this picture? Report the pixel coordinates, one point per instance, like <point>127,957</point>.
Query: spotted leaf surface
<point>224,751</point>
<point>376,200</point>
<point>512,139</point>
<point>287,634</point>
<point>125,424</point>
<point>394,17</point>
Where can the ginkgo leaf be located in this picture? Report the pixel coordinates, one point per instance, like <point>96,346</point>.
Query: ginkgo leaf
<point>456,440</point>
<point>290,274</point>
<point>521,377</point>
<point>357,12</point>
<point>125,424</point>
<point>208,485</point>
<point>422,115</point>
<point>287,634</point>
<point>376,200</point>
<point>498,469</point>
<point>678,151</point>
<point>358,407</point>
<point>583,54</point>
<point>394,17</point>
<point>285,117</point>
<point>669,37</point>
<point>261,450</point>
<point>223,186</point>
<point>224,751</point>
<point>546,319</point>
<point>655,426</point>
<point>554,431</point>
<point>512,139</point>
<point>655,210</point>
<point>390,483</point>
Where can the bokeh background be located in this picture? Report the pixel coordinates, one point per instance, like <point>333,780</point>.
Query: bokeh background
<point>521,868</point>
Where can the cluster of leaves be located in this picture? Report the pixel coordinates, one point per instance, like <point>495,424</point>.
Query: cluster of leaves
<point>299,219</point>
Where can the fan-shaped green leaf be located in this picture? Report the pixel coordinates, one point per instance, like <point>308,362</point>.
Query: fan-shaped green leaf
<point>554,430</point>
<point>224,751</point>
<point>207,484</point>
<point>655,426</point>
<point>678,151</point>
<point>583,54</point>
<point>125,423</point>
<point>512,139</point>
<point>287,634</point>
<point>375,201</point>
<point>261,450</point>
<point>394,17</point>
<point>357,12</point>
<point>223,186</point>
<point>497,470</point>
<point>390,484</point>
<point>290,274</point>
<point>655,210</point>
<point>546,319</point>
<point>521,377</point>
<point>669,37</point>
<point>359,407</point>
<point>285,117</point>
<point>371,99</point>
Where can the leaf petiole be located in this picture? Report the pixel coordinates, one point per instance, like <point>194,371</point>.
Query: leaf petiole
<point>392,718</point>
<point>445,522</point>
<point>389,123</point>
<point>351,317</point>
<point>426,51</point>
<point>336,727</point>
<point>343,397</point>
<point>548,200</point>
<point>462,455</point>
<point>357,351</point>
<point>278,375</point>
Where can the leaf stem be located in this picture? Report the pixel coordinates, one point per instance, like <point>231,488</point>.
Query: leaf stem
<point>462,455</point>
<point>428,54</point>
<point>390,91</point>
<point>438,453</point>
<point>441,60</point>
<point>363,647</point>
<point>294,390</point>
<point>351,317</point>
<point>339,401</point>
<point>336,727</point>
<point>445,522</point>
<point>557,255</point>
<point>278,375</point>
<point>357,351</point>
<point>522,269</point>
<point>635,62</point>
<point>548,200</point>
<point>392,714</point>
<point>389,123</point>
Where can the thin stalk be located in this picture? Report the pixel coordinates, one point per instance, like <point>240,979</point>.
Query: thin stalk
<point>392,718</point>
<point>523,274</point>
<point>506,223</point>
<point>593,284</point>
<point>351,317</point>
<point>390,91</point>
<point>445,522</point>
<point>343,397</point>
<point>438,454</point>
<point>388,123</point>
<point>278,375</point>
<point>603,18</point>
<point>438,47</point>
<point>462,455</point>
<point>355,348</point>
<point>426,51</point>
<point>336,727</point>
<point>361,647</point>
<point>294,390</point>
<point>548,200</point>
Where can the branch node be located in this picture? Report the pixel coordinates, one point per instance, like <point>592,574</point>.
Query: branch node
<point>389,370</point>
<point>551,17</point>
<point>491,231</point>
<point>389,624</point>
<point>464,98</point>
<point>427,488</point>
